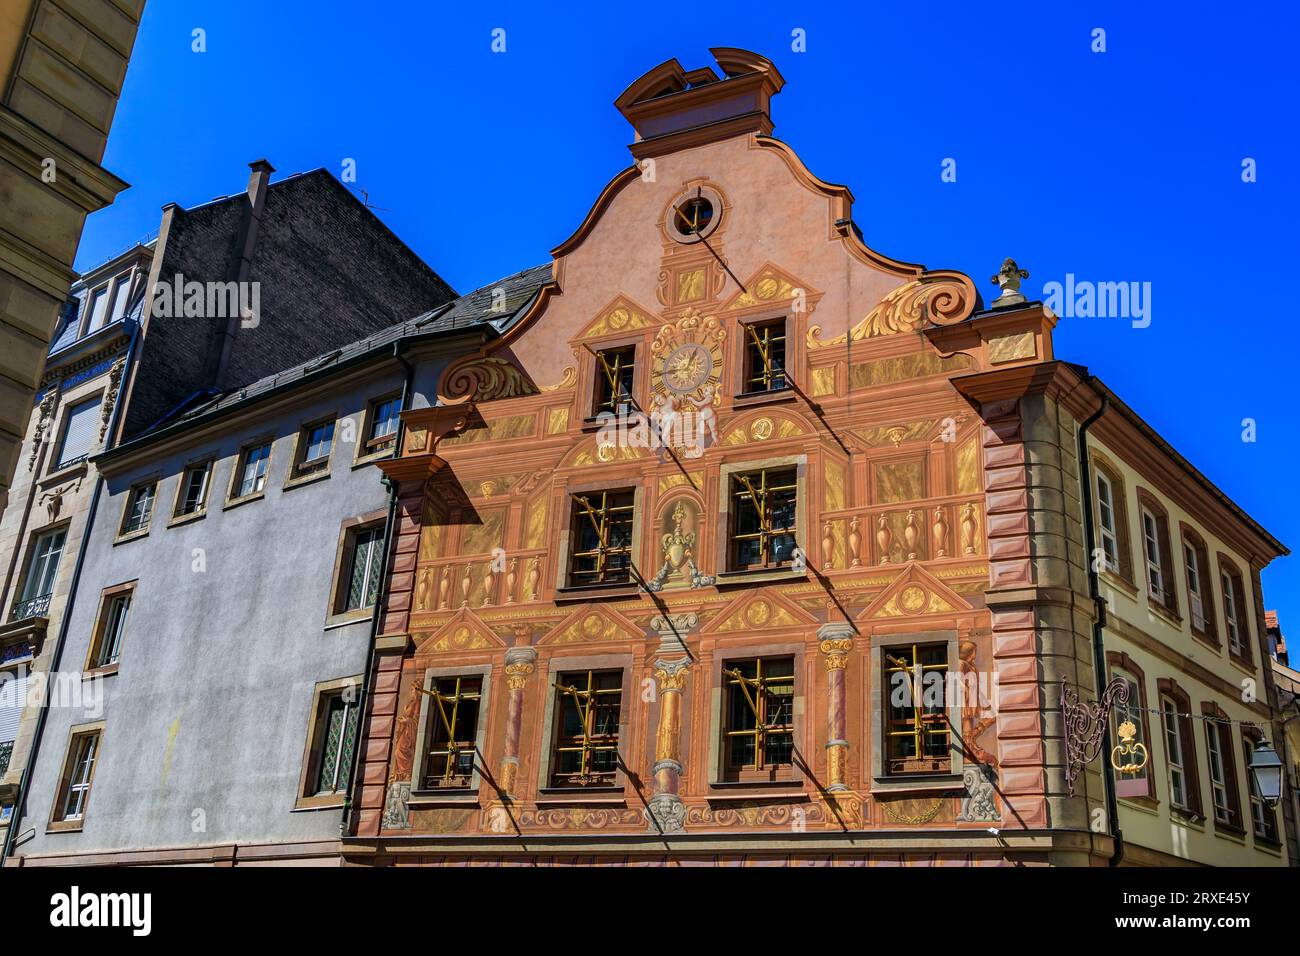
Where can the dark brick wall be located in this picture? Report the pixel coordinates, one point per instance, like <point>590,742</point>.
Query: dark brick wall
<point>330,273</point>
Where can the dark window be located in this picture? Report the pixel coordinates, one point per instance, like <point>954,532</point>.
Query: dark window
<point>759,724</point>
<point>586,738</point>
<point>763,518</point>
<point>614,371</point>
<point>764,356</point>
<point>917,735</point>
<point>602,538</point>
<point>451,732</point>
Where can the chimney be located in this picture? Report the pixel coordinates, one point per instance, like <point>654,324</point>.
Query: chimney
<point>259,178</point>
<point>672,109</point>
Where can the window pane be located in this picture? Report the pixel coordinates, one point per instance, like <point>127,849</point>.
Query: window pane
<point>196,489</point>
<point>139,510</point>
<point>253,478</point>
<point>385,419</point>
<point>340,730</point>
<point>46,554</point>
<point>363,582</point>
<point>319,440</point>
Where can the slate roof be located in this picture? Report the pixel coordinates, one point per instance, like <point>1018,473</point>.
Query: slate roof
<point>473,310</point>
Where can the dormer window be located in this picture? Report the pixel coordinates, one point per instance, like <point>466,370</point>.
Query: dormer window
<point>614,375</point>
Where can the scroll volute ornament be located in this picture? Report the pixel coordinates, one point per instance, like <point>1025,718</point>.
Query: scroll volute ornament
<point>425,428</point>
<point>935,298</point>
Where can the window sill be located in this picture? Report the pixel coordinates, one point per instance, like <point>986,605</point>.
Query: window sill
<point>774,397</point>
<point>586,797</point>
<point>107,670</point>
<point>131,536</point>
<point>236,502</point>
<point>349,617</point>
<point>1228,832</point>
<point>567,595</point>
<point>786,791</point>
<point>1169,616</point>
<point>371,457</point>
<point>64,826</point>
<point>930,783</point>
<point>1187,818</point>
<point>1118,580</point>
<point>178,520</point>
<point>306,478</point>
<point>433,799</point>
<point>1268,846</point>
<point>1242,664</point>
<point>1145,804</point>
<point>1206,640</point>
<point>759,575</point>
<point>329,801</point>
<point>75,470</point>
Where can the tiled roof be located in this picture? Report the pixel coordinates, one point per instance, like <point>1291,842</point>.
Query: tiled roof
<point>494,305</point>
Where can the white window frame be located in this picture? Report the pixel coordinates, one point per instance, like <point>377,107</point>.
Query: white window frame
<point>1175,753</point>
<point>1106,522</point>
<point>1231,620</point>
<point>1218,771</point>
<point>1154,559</point>
<point>1194,578</point>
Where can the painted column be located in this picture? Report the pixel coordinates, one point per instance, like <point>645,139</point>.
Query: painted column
<point>520,663</point>
<point>836,642</point>
<point>667,812</point>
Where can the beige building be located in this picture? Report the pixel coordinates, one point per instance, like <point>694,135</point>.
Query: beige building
<point>62,63</point>
<point>1184,630</point>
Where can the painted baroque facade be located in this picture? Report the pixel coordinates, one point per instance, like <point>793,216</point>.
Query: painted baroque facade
<point>931,448</point>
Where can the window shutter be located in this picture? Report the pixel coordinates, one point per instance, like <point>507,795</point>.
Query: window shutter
<point>79,434</point>
<point>13,695</point>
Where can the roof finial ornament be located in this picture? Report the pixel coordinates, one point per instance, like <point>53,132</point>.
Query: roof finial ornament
<point>1008,280</point>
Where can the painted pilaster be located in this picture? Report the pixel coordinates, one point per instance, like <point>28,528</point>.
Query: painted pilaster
<point>671,670</point>
<point>520,664</point>
<point>836,641</point>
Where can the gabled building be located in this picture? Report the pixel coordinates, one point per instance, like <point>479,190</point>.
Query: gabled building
<point>746,543</point>
<point>226,294</point>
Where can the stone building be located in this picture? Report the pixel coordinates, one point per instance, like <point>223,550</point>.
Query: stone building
<point>62,64</point>
<point>746,543</point>
<point>226,294</point>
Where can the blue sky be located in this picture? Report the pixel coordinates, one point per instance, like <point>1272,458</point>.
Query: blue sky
<point>1117,166</point>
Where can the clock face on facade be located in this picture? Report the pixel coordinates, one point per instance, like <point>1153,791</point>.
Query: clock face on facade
<point>687,367</point>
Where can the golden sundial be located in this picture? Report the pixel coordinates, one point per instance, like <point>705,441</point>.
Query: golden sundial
<point>687,367</point>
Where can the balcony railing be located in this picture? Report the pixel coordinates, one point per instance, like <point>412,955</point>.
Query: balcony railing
<point>6,751</point>
<point>33,607</point>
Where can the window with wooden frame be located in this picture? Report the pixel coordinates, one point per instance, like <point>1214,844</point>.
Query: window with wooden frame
<point>110,626</point>
<point>249,477</point>
<point>73,795</point>
<point>1263,818</point>
<point>383,417</point>
<point>1222,759</point>
<point>192,491</point>
<point>1234,612</point>
<point>758,733</point>
<point>918,738</point>
<point>139,508</point>
<point>615,374</point>
<point>1107,522</point>
<point>588,708</point>
<point>1156,553</point>
<point>1200,593</point>
<point>1180,748</point>
<point>1112,521</point>
<point>764,512</point>
<point>333,741</point>
<point>451,732</point>
<point>312,454</point>
<point>1132,784</point>
<point>764,362</point>
<point>601,536</point>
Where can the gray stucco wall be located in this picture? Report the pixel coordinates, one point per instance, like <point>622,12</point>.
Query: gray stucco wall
<point>209,709</point>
